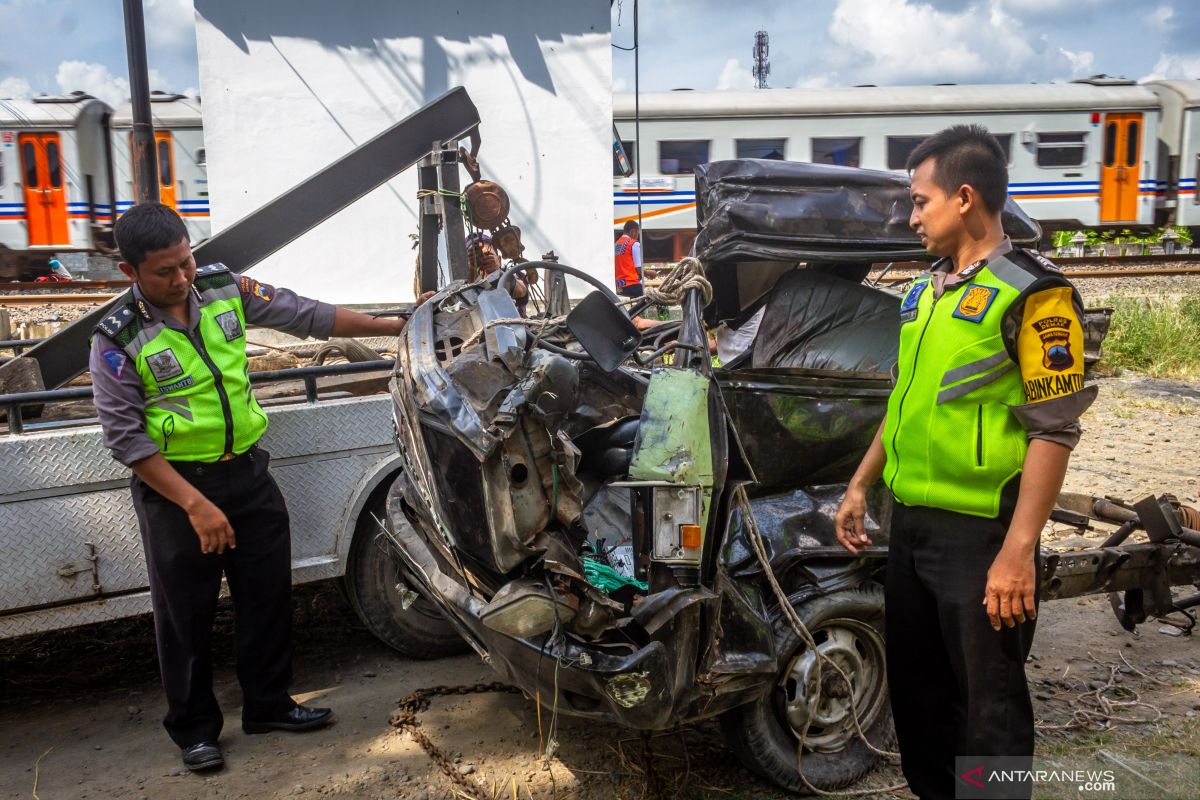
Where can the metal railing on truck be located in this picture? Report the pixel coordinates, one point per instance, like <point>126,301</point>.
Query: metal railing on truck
<point>12,404</point>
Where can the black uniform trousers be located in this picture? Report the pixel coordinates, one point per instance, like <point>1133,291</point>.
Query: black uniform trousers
<point>957,686</point>
<point>184,584</point>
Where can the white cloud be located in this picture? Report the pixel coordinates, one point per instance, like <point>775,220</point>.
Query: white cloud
<point>620,85</point>
<point>170,23</point>
<point>1159,20</point>
<point>816,82</point>
<point>1175,65</point>
<point>99,82</point>
<point>1043,8</point>
<point>13,88</point>
<point>1082,63</point>
<point>915,41</point>
<point>735,76</point>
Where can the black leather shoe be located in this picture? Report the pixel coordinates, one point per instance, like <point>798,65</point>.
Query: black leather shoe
<point>300,718</point>
<point>205,755</point>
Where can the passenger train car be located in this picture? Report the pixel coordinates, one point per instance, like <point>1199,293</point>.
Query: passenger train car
<point>182,164</point>
<point>55,185</point>
<point>1094,153</point>
<point>66,164</point>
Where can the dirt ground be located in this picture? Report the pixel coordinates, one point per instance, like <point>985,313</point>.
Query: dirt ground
<point>80,710</point>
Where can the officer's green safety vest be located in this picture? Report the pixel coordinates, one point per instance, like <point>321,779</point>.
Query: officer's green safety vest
<point>950,439</point>
<point>199,406</point>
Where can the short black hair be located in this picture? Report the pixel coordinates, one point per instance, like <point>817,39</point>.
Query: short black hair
<point>966,154</point>
<point>145,228</point>
<point>630,226</point>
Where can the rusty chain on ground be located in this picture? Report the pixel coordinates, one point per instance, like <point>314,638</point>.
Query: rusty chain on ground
<point>404,718</point>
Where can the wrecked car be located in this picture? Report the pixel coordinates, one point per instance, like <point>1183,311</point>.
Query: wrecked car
<point>615,525</point>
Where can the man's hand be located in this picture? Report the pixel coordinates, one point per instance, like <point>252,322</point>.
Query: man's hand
<point>850,518</point>
<point>1010,588</point>
<point>212,526</point>
<point>424,296</point>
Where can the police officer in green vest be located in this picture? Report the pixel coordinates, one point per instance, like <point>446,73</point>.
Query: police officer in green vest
<point>173,395</point>
<point>979,428</point>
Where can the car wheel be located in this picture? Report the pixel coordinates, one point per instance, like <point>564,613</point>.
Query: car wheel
<point>848,628</point>
<point>379,593</point>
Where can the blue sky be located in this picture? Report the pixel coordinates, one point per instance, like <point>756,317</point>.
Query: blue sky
<point>62,45</point>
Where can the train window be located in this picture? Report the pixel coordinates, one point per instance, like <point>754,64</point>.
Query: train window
<point>842,152</point>
<point>54,165</point>
<point>201,157</point>
<point>1,172</point>
<point>680,158</point>
<point>761,148</point>
<point>1131,145</point>
<point>29,156</point>
<point>1061,149</point>
<point>618,167</point>
<point>899,148</point>
<point>1110,144</point>
<point>1005,140</point>
<point>164,163</point>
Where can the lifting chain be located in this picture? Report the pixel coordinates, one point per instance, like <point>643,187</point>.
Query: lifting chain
<point>404,718</point>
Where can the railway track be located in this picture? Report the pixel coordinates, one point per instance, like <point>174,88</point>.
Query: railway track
<point>32,294</point>
<point>83,298</point>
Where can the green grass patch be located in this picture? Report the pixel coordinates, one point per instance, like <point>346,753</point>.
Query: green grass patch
<point>1157,336</point>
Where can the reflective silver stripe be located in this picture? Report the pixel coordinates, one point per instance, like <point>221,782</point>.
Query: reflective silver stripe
<point>143,338</point>
<point>176,405</point>
<point>974,368</point>
<point>1010,273</point>
<point>219,293</point>
<point>955,392</point>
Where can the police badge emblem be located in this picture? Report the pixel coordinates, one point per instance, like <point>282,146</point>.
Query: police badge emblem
<point>231,326</point>
<point>164,365</point>
<point>975,302</point>
<point>1055,333</point>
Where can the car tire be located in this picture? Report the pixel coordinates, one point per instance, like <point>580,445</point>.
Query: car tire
<point>848,626</point>
<point>373,574</point>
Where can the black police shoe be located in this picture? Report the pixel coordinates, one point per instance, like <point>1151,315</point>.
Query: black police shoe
<point>300,718</point>
<point>205,755</point>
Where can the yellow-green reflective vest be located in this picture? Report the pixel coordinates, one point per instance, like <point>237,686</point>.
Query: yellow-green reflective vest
<point>950,439</point>
<point>199,406</point>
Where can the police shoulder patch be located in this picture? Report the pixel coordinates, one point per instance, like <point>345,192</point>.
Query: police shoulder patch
<point>975,302</point>
<point>213,276</point>
<point>211,269</point>
<point>122,319</point>
<point>1041,260</point>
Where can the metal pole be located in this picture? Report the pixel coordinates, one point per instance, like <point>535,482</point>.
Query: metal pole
<point>145,161</point>
<point>637,119</point>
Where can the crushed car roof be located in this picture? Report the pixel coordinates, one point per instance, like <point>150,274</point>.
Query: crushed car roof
<point>761,210</point>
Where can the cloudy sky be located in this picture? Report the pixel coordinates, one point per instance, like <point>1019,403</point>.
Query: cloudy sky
<point>52,46</point>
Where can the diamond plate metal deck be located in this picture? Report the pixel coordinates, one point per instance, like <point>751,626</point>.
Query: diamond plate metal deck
<point>61,491</point>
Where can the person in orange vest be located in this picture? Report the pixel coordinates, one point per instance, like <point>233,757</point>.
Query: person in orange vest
<point>628,261</point>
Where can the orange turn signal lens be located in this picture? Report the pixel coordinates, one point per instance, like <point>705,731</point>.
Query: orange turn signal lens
<point>689,536</point>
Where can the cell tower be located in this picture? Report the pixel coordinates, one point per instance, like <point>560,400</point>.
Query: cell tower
<point>762,64</point>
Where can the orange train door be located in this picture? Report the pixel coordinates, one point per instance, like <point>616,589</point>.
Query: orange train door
<point>166,167</point>
<point>1119,170</point>
<point>165,155</point>
<point>45,191</point>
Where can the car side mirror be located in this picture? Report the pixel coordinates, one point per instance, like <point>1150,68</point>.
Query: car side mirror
<point>603,331</point>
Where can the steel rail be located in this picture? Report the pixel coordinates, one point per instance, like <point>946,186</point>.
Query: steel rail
<point>83,298</point>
